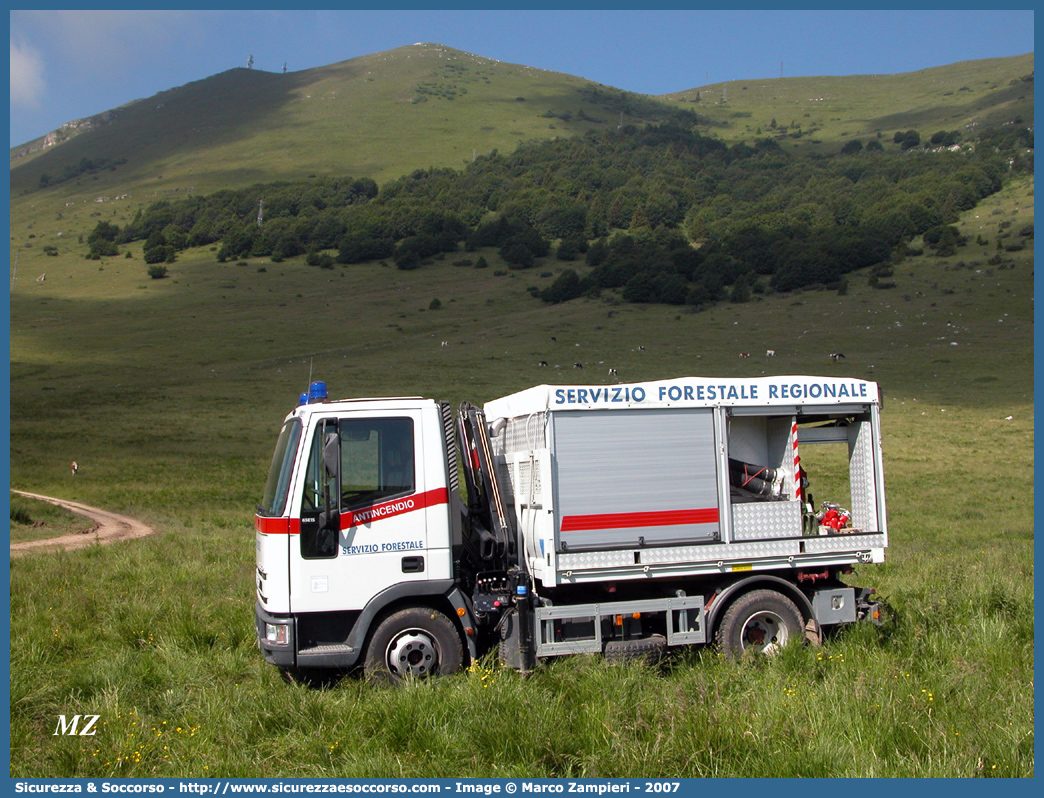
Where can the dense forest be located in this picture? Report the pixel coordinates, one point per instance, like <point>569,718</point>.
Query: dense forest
<point>663,213</point>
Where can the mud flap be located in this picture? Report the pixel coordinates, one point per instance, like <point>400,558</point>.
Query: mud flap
<point>813,633</point>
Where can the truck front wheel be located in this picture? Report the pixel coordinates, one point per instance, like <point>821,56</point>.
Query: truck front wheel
<point>761,621</point>
<point>414,642</point>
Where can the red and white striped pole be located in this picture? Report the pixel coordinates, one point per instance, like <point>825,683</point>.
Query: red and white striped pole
<point>797,462</point>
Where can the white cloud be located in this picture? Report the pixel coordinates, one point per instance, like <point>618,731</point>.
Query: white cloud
<point>84,46</point>
<point>27,76</point>
<point>103,43</point>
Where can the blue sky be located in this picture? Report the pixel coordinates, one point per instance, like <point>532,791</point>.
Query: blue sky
<point>69,64</point>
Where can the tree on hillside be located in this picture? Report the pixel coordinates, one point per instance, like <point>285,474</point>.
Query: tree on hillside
<point>157,250</point>
<point>698,214</point>
<point>944,239</point>
<point>567,286</point>
<point>101,241</point>
<point>568,249</point>
<point>943,138</point>
<point>740,290</point>
<point>907,139</point>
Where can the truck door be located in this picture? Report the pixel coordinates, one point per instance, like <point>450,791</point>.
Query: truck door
<point>361,508</point>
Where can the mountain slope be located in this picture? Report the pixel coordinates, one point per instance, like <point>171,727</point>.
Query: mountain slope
<point>968,96</point>
<point>386,114</point>
<point>375,116</point>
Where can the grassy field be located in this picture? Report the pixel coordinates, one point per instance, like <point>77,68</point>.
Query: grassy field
<point>821,113</point>
<point>38,520</point>
<point>168,393</point>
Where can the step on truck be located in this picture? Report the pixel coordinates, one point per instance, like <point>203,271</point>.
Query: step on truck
<point>409,538</point>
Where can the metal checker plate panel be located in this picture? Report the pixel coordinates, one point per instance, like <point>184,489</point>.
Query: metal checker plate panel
<point>864,492</point>
<point>833,543</point>
<point>766,520</point>
<point>678,555</point>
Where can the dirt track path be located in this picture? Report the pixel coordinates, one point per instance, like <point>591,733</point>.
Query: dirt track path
<point>109,527</point>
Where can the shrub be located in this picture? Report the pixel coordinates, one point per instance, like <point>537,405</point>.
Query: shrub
<point>159,254</point>
<point>567,250</point>
<point>321,259</point>
<point>907,139</point>
<point>566,287</point>
<point>517,255</point>
<point>19,514</point>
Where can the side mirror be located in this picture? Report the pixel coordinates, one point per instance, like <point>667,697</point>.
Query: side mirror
<point>331,453</point>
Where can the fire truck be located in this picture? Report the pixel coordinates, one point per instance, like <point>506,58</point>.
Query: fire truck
<point>408,538</point>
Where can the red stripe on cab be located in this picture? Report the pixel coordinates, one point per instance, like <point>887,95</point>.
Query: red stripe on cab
<point>361,515</point>
<point>277,526</point>
<point>390,509</point>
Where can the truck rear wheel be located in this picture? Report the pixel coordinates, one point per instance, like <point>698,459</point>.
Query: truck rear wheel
<point>759,622</point>
<point>415,642</point>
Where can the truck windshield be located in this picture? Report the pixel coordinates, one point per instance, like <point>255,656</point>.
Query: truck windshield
<point>274,500</point>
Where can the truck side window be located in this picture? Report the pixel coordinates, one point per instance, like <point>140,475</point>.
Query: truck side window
<point>312,497</point>
<point>377,460</point>
<point>319,529</point>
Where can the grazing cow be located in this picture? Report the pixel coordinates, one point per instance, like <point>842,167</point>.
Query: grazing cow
<point>641,348</point>
<point>445,343</point>
<point>836,356</point>
<point>578,365</point>
<point>744,354</point>
<point>612,373</point>
<point>770,353</point>
<point>542,363</point>
<point>553,338</point>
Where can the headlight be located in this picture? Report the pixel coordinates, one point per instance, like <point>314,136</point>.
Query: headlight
<point>278,634</point>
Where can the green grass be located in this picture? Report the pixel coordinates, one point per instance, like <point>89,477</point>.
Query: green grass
<point>168,393</point>
<point>32,519</point>
<point>822,113</point>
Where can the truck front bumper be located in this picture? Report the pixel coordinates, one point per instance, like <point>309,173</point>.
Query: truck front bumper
<point>276,637</point>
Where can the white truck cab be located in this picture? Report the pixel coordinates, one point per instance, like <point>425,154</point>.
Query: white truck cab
<point>358,510</point>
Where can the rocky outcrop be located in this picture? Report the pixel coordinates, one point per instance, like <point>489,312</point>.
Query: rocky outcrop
<point>64,133</point>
